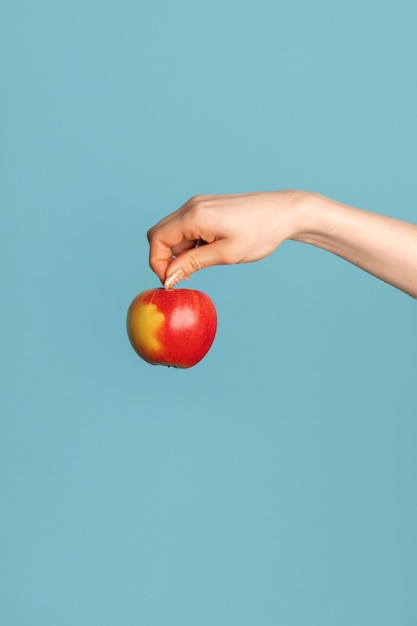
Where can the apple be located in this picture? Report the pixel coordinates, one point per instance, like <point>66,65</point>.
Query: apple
<point>173,327</point>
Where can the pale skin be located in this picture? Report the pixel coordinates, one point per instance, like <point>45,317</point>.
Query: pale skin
<point>239,228</point>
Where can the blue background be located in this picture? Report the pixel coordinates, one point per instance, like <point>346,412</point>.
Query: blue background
<point>275,483</point>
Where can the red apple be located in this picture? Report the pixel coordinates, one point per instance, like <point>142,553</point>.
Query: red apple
<point>174,327</point>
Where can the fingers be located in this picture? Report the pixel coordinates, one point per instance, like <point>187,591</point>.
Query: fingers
<point>160,256</point>
<point>172,237</point>
<point>197,258</point>
<point>193,237</point>
<point>166,240</point>
<point>164,247</point>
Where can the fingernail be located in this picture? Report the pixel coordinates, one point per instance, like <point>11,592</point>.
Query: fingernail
<point>174,279</point>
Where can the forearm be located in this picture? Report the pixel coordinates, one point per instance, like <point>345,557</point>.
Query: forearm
<point>380,245</point>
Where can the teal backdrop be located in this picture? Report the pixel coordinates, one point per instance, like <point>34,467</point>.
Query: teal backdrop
<point>274,483</point>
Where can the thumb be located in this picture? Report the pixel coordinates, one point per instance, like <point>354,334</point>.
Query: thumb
<point>193,260</point>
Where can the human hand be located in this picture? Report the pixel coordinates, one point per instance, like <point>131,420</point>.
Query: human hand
<point>219,230</point>
<point>225,229</point>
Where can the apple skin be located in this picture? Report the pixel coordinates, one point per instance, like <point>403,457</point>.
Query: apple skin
<point>174,327</point>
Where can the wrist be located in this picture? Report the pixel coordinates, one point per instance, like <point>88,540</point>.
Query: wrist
<point>307,216</point>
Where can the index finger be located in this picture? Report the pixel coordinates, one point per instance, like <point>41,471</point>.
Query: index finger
<point>163,238</point>
<point>178,231</point>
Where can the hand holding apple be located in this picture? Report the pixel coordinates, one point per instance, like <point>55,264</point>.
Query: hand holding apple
<point>174,327</point>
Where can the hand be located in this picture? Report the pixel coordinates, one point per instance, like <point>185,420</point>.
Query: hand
<point>219,230</point>
<point>216,230</point>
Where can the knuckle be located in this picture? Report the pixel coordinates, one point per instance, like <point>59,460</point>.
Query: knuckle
<point>195,263</point>
<point>197,217</point>
<point>152,263</point>
<point>196,200</point>
<point>198,205</point>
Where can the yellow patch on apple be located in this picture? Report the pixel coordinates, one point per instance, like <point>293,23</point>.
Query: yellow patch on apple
<point>146,320</point>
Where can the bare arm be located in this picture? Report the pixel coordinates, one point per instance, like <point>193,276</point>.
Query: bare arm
<point>380,245</point>
<point>247,227</point>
